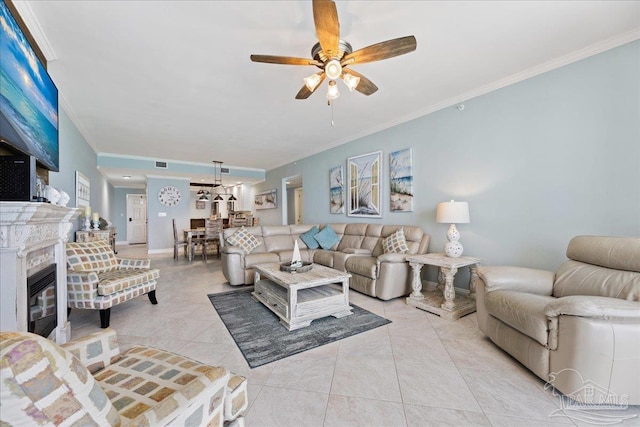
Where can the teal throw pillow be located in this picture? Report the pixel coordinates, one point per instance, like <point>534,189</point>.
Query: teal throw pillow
<point>308,239</point>
<point>327,238</point>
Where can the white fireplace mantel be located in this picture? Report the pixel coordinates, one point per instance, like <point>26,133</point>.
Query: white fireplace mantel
<point>32,236</point>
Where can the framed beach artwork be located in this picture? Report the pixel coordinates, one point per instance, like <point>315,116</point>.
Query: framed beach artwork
<point>401,181</point>
<point>336,192</point>
<point>83,190</point>
<point>364,193</point>
<point>266,199</point>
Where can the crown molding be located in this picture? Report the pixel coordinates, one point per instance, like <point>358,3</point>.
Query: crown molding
<point>182,162</point>
<point>30,20</point>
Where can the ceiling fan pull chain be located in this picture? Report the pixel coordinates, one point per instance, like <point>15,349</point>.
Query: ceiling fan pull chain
<point>331,105</point>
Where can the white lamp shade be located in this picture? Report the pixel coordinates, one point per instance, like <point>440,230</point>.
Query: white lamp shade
<point>453,212</point>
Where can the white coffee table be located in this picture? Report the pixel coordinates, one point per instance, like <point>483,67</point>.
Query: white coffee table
<point>300,298</point>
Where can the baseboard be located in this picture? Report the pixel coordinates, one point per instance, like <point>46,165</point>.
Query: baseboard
<point>160,251</point>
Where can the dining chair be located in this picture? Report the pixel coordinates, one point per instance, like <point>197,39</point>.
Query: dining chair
<point>212,230</point>
<point>177,242</point>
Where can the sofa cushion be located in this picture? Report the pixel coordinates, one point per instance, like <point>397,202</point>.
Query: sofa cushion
<point>287,256</point>
<point>48,386</point>
<point>522,311</point>
<point>260,258</point>
<point>327,238</point>
<point>363,265</point>
<point>149,386</point>
<point>618,253</point>
<point>90,256</point>
<point>244,239</point>
<point>308,238</point>
<point>578,278</point>
<point>323,257</point>
<point>395,244</point>
<point>114,281</point>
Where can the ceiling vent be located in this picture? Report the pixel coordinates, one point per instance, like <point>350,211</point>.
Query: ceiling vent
<point>224,170</point>
<point>161,165</point>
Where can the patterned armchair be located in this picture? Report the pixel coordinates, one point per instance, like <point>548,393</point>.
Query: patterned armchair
<point>89,382</point>
<point>97,280</point>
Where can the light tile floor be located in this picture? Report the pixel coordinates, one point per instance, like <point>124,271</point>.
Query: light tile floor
<point>419,370</point>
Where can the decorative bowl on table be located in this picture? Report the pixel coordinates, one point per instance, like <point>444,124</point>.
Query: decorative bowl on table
<point>286,266</point>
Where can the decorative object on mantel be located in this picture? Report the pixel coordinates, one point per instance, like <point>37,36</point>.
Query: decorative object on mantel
<point>453,213</point>
<point>52,194</point>
<point>64,198</point>
<point>401,181</point>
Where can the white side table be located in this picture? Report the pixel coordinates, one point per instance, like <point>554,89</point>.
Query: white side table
<point>445,304</point>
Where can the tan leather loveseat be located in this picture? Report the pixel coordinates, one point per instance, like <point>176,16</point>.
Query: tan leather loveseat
<point>359,252</point>
<point>578,329</point>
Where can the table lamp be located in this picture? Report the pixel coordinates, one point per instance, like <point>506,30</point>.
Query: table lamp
<point>453,213</point>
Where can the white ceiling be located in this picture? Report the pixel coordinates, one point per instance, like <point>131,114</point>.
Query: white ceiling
<point>173,79</point>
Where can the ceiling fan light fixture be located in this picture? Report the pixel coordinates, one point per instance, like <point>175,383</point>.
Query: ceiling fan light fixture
<point>351,81</point>
<point>312,81</point>
<point>333,69</point>
<point>332,91</point>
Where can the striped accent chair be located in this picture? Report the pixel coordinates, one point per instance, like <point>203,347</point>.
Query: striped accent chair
<point>98,280</point>
<point>89,382</point>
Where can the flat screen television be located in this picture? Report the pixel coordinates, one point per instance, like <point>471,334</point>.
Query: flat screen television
<point>28,97</point>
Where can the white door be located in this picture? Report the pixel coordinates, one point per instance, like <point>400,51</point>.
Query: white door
<point>136,218</point>
<point>298,205</point>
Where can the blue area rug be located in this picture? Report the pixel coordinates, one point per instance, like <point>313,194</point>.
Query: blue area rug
<point>262,339</point>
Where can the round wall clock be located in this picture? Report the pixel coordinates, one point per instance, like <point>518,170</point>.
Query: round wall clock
<point>169,195</point>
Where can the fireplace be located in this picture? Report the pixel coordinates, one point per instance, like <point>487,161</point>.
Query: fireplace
<point>41,305</point>
<point>32,263</point>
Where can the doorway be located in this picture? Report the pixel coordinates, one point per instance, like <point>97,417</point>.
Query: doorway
<point>136,218</point>
<point>292,200</point>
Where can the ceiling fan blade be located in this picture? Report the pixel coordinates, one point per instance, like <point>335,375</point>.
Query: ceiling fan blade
<point>286,60</point>
<point>304,92</point>
<point>325,16</point>
<point>380,51</point>
<point>365,86</point>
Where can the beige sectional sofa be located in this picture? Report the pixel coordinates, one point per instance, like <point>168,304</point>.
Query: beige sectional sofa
<point>359,252</point>
<point>577,328</point>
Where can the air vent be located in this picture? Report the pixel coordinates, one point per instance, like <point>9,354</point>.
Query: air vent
<point>161,165</point>
<point>224,170</point>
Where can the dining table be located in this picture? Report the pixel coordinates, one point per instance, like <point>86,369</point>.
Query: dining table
<point>191,235</point>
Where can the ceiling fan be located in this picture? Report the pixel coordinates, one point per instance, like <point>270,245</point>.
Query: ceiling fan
<point>333,56</point>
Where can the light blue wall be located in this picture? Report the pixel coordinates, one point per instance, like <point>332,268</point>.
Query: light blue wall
<point>120,210</point>
<point>77,155</point>
<point>539,162</point>
<point>160,229</point>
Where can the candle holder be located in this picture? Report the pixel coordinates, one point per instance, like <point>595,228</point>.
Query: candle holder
<point>87,223</point>
<point>96,225</point>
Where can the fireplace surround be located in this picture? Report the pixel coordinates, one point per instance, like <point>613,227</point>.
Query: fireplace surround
<point>32,238</point>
